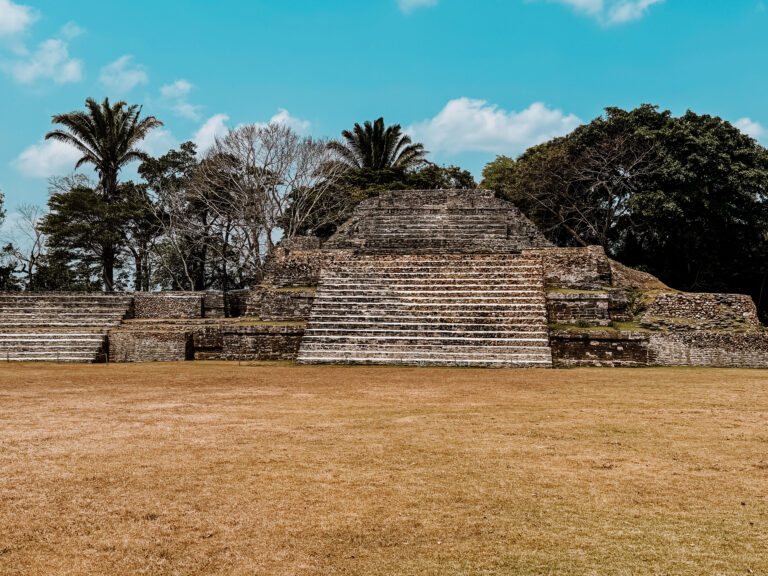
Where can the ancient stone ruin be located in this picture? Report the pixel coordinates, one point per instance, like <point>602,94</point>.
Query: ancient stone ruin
<point>420,277</point>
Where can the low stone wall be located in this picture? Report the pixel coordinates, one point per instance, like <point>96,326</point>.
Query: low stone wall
<point>237,302</point>
<point>280,306</point>
<point>295,263</point>
<point>591,348</point>
<point>572,307</point>
<point>261,342</point>
<point>168,305</point>
<point>572,348</point>
<point>716,311</point>
<point>214,304</point>
<point>576,268</point>
<point>208,342</point>
<point>710,349</point>
<point>154,346</point>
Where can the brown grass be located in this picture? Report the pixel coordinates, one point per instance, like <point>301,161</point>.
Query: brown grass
<point>273,469</point>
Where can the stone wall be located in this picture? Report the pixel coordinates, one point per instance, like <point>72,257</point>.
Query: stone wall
<point>710,349</point>
<point>237,302</point>
<point>208,341</point>
<point>168,305</point>
<point>261,342</point>
<point>573,307</point>
<point>150,346</point>
<point>571,348</point>
<point>711,311</point>
<point>214,304</point>
<point>296,263</point>
<point>608,348</point>
<point>280,306</point>
<point>576,268</point>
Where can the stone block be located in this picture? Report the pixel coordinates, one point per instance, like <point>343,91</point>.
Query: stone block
<point>168,305</point>
<point>150,346</point>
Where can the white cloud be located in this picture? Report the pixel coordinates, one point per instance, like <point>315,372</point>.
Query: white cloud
<point>176,94</point>
<point>47,158</point>
<point>284,117</point>
<point>158,142</point>
<point>610,12</point>
<point>121,76</point>
<point>750,127</point>
<point>466,125</point>
<point>50,61</point>
<point>205,137</point>
<point>178,89</point>
<point>409,6</point>
<point>15,18</point>
<point>70,31</point>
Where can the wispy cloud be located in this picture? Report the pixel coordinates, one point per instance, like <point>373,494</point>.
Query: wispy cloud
<point>467,125</point>
<point>50,61</point>
<point>176,95</point>
<point>409,6</point>
<point>610,12</point>
<point>122,75</point>
<point>15,18</point>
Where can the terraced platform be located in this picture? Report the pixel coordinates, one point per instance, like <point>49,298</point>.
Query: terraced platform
<point>451,310</point>
<point>58,327</point>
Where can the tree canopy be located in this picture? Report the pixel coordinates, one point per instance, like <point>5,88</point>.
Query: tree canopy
<point>107,135</point>
<point>685,198</point>
<point>375,146</point>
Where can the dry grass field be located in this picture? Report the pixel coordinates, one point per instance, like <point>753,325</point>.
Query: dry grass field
<point>213,468</point>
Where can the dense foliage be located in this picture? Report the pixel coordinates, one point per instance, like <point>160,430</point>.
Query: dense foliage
<point>375,146</point>
<point>107,135</point>
<point>685,198</point>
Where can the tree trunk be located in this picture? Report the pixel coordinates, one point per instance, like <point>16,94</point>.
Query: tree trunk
<point>108,266</point>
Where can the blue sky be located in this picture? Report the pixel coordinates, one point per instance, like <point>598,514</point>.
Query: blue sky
<point>469,79</point>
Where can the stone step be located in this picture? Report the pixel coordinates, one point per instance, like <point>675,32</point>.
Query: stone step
<point>470,360</point>
<point>414,344</point>
<point>47,312</point>
<point>429,330</point>
<point>404,292</point>
<point>400,306</point>
<point>417,284</point>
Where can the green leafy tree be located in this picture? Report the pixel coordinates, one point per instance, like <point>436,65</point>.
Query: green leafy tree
<point>107,135</point>
<point>685,198</point>
<point>378,147</point>
<point>82,226</point>
<point>433,177</point>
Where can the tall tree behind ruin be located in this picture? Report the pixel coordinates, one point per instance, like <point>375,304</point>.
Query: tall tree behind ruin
<point>684,198</point>
<point>268,183</point>
<point>375,146</point>
<point>107,135</point>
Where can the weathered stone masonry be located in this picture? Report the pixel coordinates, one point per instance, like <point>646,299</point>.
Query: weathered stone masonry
<point>414,277</point>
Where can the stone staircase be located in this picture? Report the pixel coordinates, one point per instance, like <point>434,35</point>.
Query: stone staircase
<point>430,310</point>
<point>437,221</point>
<point>59,327</point>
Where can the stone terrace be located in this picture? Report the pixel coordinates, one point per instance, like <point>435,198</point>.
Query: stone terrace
<point>437,221</point>
<point>59,327</point>
<point>456,310</point>
<point>432,277</point>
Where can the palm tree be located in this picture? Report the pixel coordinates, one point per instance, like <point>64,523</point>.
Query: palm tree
<point>107,135</point>
<point>375,147</point>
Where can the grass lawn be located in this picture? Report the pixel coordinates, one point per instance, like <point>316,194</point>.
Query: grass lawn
<point>215,468</point>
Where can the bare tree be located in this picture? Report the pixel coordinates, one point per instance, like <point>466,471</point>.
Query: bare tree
<point>27,243</point>
<point>264,183</point>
